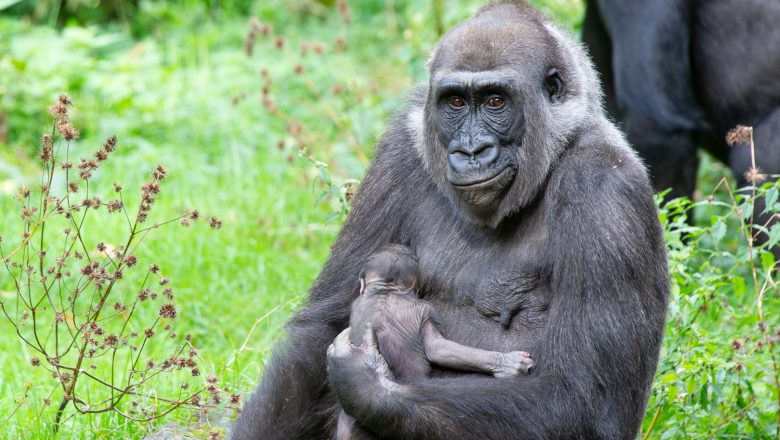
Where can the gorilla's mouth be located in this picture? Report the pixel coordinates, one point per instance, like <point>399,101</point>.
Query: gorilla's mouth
<point>483,193</point>
<point>496,181</point>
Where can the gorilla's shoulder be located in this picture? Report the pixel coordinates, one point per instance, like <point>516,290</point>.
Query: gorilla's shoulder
<point>405,134</point>
<point>600,165</point>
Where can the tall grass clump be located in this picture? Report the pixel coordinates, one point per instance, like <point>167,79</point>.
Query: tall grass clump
<point>718,373</point>
<point>84,303</point>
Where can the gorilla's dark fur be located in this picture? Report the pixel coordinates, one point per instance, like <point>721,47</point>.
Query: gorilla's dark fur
<point>679,74</point>
<point>524,206</point>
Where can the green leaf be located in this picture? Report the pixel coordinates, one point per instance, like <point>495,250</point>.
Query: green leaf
<point>767,260</point>
<point>668,378</point>
<point>718,230</point>
<point>703,396</point>
<point>746,210</point>
<point>671,393</point>
<point>322,197</point>
<point>18,64</point>
<point>739,285</point>
<point>771,198</point>
<point>774,236</point>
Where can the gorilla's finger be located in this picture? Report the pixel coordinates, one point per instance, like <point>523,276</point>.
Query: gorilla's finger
<point>369,339</point>
<point>341,345</point>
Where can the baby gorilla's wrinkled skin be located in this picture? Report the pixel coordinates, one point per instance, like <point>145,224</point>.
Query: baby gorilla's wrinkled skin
<point>406,330</point>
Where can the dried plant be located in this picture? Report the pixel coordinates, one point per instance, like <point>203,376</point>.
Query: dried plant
<point>86,307</point>
<point>745,209</point>
<point>300,138</point>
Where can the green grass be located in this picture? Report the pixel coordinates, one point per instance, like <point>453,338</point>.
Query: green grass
<point>192,101</point>
<point>186,95</point>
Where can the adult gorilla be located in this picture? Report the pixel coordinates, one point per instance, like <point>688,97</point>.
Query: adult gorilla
<point>679,74</point>
<point>535,230</point>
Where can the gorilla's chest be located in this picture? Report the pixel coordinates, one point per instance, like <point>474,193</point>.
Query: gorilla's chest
<point>491,289</point>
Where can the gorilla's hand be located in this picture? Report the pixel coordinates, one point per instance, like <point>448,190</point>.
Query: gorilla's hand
<point>365,356</point>
<point>359,373</point>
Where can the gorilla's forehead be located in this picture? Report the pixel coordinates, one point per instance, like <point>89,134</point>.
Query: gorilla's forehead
<point>499,37</point>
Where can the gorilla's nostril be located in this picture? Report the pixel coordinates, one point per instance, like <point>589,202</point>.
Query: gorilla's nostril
<point>480,150</point>
<point>485,154</point>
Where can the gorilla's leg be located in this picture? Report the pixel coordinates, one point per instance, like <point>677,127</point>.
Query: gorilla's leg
<point>671,160</point>
<point>651,97</point>
<point>595,35</point>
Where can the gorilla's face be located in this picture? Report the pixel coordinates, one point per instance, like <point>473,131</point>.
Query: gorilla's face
<point>500,108</point>
<point>477,114</point>
<point>491,158</point>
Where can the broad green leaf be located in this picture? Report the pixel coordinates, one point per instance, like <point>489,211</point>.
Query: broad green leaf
<point>718,230</point>
<point>739,285</point>
<point>767,260</point>
<point>774,235</point>
<point>771,198</point>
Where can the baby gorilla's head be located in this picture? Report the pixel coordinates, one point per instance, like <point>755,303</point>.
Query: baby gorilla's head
<point>395,266</point>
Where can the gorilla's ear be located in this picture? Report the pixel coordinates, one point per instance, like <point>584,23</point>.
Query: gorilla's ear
<point>554,84</point>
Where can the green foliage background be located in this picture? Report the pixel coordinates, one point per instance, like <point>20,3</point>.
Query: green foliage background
<point>173,81</point>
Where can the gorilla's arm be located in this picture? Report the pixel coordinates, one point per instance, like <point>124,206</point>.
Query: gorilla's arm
<point>600,346</point>
<point>293,401</point>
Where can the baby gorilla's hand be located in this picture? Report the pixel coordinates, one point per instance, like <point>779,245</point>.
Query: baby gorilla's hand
<point>513,363</point>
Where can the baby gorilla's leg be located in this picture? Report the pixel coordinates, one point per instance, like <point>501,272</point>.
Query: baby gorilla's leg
<point>450,354</point>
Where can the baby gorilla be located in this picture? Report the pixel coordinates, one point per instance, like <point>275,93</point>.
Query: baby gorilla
<point>408,331</point>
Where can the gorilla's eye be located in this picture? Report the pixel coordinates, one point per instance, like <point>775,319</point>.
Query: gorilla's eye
<point>457,102</point>
<point>495,102</point>
<point>554,84</point>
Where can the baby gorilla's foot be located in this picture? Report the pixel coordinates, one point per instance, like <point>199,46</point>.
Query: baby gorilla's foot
<point>513,363</point>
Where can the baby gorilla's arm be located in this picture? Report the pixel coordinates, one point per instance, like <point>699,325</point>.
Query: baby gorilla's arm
<point>441,351</point>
